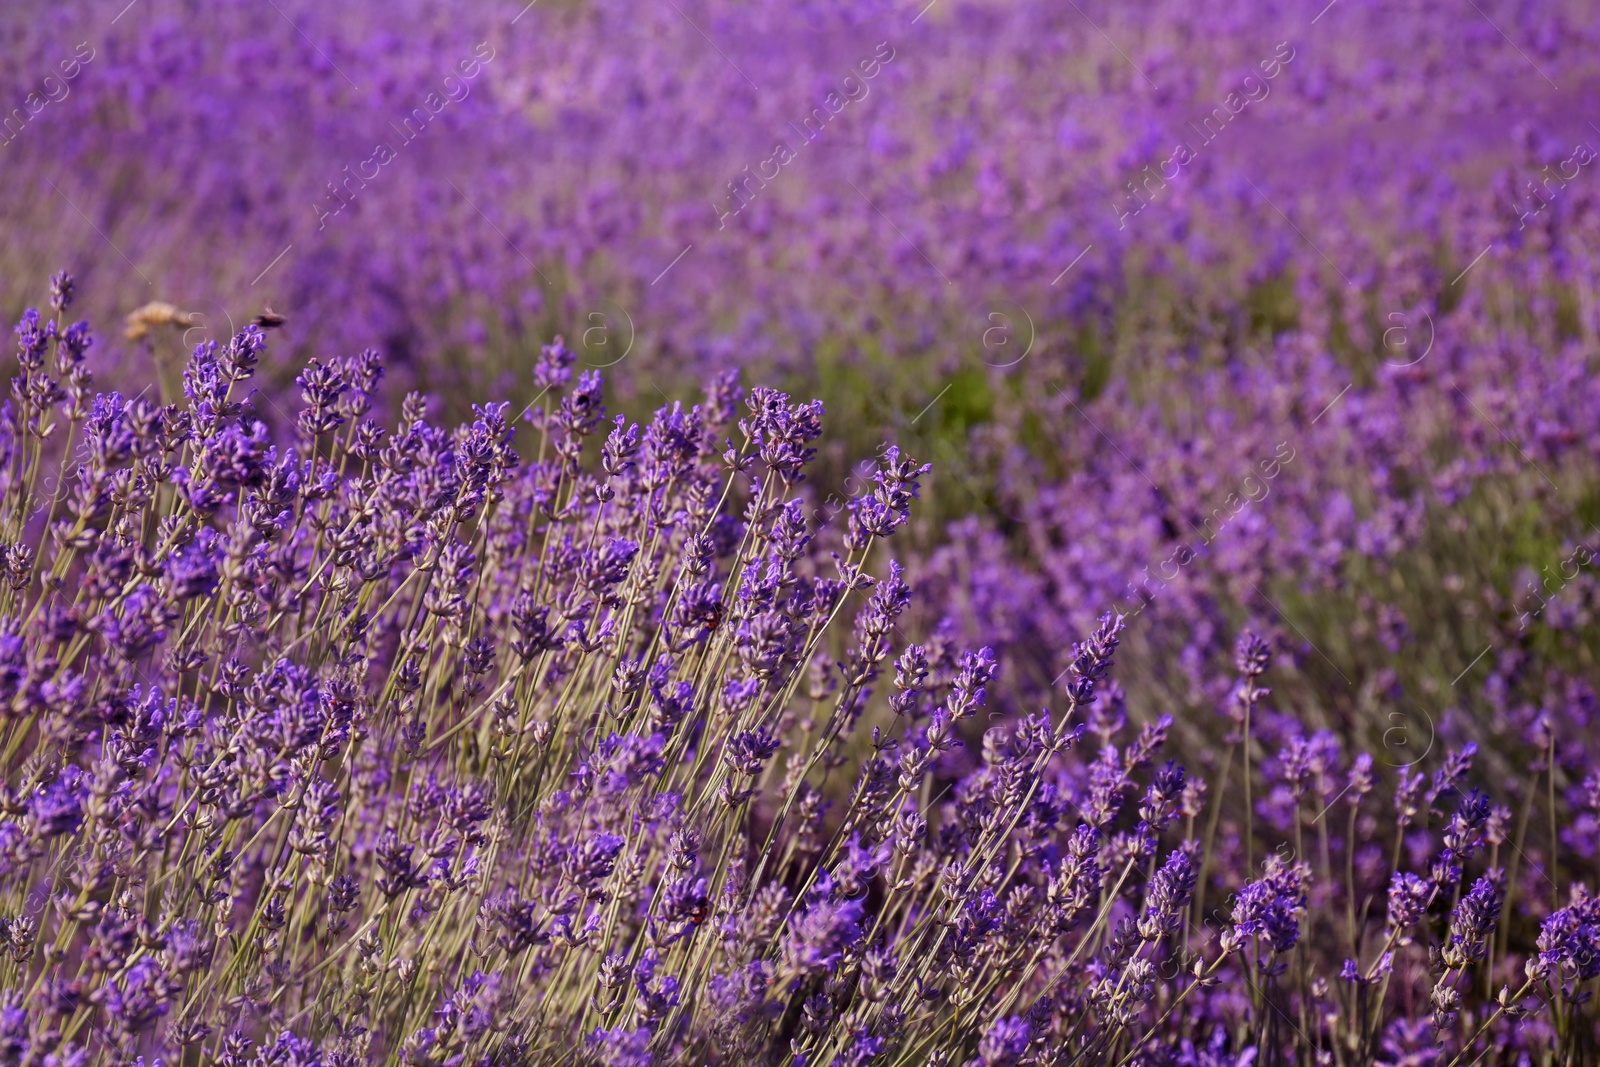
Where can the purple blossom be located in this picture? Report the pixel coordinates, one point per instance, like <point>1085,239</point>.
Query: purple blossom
<point>1270,909</point>
<point>817,938</point>
<point>1004,1043</point>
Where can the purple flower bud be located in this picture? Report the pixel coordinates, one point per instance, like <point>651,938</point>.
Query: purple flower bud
<point>1470,925</point>
<point>61,287</point>
<point>1270,908</point>
<point>321,386</point>
<point>1170,892</point>
<point>1409,897</point>
<point>1569,939</point>
<point>1005,1043</point>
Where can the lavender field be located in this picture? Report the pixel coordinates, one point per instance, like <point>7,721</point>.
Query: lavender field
<point>979,533</point>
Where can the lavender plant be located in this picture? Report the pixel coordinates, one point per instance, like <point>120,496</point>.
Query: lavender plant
<point>385,744</point>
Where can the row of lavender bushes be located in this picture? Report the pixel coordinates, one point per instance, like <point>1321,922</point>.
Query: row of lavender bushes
<point>389,745</point>
<point>596,141</point>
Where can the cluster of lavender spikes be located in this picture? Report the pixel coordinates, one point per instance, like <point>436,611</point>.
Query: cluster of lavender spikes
<point>395,747</point>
